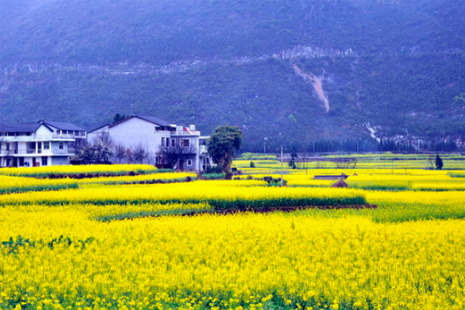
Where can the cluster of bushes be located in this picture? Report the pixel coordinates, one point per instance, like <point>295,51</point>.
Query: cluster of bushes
<point>13,245</point>
<point>275,181</point>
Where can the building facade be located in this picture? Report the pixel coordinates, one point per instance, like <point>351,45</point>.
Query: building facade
<point>168,145</point>
<point>37,144</point>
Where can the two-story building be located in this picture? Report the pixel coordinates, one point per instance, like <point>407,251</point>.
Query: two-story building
<point>172,146</point>
<point>37,144</point>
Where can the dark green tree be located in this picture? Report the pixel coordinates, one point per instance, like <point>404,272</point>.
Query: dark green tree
<point>118,117</point>
<point>438,162</point>
<point>222,144</point>
<point>294,154</point>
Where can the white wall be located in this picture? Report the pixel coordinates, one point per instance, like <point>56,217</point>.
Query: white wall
<point>43,133</point>
<point>91,136</point>
<point>135,131</point>
<point>57,161</point>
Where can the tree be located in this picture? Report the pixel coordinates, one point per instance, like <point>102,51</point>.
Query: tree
<point>294,153</point>
<point>120,152</point>
<point>99,151</point>
<point>438,162</point>
<point>140,153</point>
<point>292,164</point>
<point>103,148</point>
<point>222,144</point>
<point>129,156</point>
<point>118,117</point>
<point>176,155</point>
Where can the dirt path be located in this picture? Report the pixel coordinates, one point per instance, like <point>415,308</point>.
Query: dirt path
<point>317,85</point>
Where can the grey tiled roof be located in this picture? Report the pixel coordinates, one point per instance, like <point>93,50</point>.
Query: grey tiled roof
<point>99,127</point>
<point>151,119</point>
<point>154,120</point>
<point>63,126</point>
<point>6,126</point>
<point>19,127</point>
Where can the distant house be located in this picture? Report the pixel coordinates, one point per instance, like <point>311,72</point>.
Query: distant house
<point>168,145</point>
<point>37,144</point>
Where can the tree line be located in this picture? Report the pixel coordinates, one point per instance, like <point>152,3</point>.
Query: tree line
<point>355,146</point>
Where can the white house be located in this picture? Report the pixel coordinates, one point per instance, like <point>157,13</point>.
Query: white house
<point>37,144</point>
<point>170,145</point>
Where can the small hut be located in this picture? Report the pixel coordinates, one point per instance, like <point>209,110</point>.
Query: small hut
<point>340,184</point>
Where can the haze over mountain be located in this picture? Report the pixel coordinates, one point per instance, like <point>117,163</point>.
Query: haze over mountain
<point>293,71</point>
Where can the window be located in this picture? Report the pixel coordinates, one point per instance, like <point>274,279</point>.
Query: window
<point>173,142</point>
<point>189,162</point>
<point>44,161</point>
<point>185,142</point>
<point>46,145</point>
<point>76,133</point>
<point>61,145</point>
<point>7,146</point>
<point>162,141</point>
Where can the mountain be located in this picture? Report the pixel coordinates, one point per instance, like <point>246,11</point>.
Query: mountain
<point>297,72</point>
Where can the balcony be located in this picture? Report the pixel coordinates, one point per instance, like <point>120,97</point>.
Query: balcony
<point>12,139</point>
<point>185,133</point>
<point>30,151</point>
<point>33,151</point>
<point>54,137</point>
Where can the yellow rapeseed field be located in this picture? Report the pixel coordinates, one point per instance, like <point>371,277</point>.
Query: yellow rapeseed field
<point>229,262</point>
<point>126,247</point>
<point>15,184</point>
<point>221,194</point>
<point>11,184</point>
<point>85,169</point>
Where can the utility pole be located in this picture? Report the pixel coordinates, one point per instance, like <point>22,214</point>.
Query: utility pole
<point>282,167</point>
<point>305,163</point>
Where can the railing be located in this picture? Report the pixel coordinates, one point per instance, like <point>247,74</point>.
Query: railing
<point>53,136</point>
<point>185,133</point>
<point>37,138</point>
<point>8,152</point>
<point>62,152</point>
<point>38,152</point>
<point>33,151</point>
<point>12,139</point>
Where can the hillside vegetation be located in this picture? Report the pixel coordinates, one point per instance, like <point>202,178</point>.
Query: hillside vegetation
<point>392,69</point>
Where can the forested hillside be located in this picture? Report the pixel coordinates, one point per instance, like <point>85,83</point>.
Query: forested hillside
<point>297,72</point>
